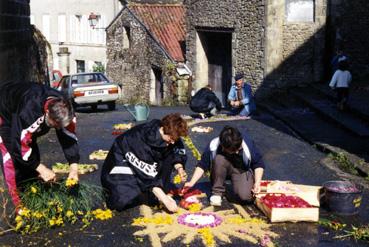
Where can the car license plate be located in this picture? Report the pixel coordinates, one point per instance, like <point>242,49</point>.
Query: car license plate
<point>96,92</point>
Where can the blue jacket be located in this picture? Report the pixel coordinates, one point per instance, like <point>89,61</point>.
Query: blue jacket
<point>251,157</point>
<point>247,99</point>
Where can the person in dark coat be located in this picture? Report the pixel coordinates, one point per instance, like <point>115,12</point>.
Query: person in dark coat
<point>233,155</point>
<point>142,159</point>
<point>339,57</point>
<point>205,102</point>
<point>28,111</point>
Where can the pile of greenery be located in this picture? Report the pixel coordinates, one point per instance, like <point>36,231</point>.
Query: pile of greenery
<point>47,205</point>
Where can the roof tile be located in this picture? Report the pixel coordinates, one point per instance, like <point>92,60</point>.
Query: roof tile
<point>166,22</point>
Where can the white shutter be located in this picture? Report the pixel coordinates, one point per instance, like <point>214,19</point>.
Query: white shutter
<point>90,65</point>
<point>103,33</point>
<point>56,62</point>
<point>62,28</point>
<point>84,30</point>
<point>72,28</point>
<point>78,29</point>
<point>46,26</point>
<point>32,19</point>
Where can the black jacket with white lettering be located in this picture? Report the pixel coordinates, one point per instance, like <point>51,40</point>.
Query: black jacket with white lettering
<point>22,121</point>
<point>143,150</point>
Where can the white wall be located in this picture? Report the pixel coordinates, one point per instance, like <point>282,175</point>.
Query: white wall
<point>65,24</point>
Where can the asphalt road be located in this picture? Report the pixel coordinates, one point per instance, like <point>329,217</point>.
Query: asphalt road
<point>286,158</point>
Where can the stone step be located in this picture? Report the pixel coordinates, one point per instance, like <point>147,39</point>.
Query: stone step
<point>358,103</point>
<point>312,128</point>
<point>325,106</point>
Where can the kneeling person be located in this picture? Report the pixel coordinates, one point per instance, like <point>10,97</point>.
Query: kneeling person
<point>142,160</point>
<point>231,155</point>
<point>205,102</point>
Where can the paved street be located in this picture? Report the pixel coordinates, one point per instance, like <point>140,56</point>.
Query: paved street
<point>286,156</point>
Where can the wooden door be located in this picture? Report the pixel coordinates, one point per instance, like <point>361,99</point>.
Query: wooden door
<point>215,81</point>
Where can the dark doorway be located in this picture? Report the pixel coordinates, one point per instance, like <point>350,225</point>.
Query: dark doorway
<point>217,46</point>
<point>156,91</point>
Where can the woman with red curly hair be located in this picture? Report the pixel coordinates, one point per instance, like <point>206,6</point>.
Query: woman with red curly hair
<point>142,159</point>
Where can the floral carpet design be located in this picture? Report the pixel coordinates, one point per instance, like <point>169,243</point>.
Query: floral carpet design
<point>210,226</point>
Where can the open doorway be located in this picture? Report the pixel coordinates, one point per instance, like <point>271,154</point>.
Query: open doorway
<point>156,86</point>
<point>214,61</point>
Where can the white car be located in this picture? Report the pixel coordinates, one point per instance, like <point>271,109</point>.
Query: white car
<point>91,89</point>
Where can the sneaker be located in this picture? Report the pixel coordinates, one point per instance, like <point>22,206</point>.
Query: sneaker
<point>202,116</point>
<point>216,200</point>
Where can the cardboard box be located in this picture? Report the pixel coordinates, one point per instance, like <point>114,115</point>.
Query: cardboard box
<point>288,214</point>
<point>266,183</point>
<point>309,193</point>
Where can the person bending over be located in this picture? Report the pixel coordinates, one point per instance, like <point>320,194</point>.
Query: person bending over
<point>205,102</point>
<point>142,159</point>
<point>28,111</point>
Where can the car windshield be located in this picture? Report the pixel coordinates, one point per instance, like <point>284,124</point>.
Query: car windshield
<point>88,78</point>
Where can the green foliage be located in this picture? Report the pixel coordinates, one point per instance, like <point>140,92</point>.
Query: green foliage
<point>169,101</point>
<point>136,100</point>
<point>170,66</point>
<point>195,152</point>
<point>46,205</point>
<point>332,224</point>
<point>358,233</point>
<point>344,163</point>
<point>170,70</point>
<point>82,197</point>
<point>98,68</point>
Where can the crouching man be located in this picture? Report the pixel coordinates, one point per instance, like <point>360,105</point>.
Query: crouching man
<point>142,159</point>
<point>28,111</point>
<point>231,155</point>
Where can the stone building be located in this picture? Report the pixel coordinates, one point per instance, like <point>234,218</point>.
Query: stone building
<point>144,42</point>
<point>15,35</point>
<point>348,29</point>
<point>275,43</point>
<point>75,45</point>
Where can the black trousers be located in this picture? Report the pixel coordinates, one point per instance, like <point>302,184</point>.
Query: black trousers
<point>342,94</point>
<point>124,190</point>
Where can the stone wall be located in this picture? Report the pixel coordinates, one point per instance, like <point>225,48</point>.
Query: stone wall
<point>23,48</point>
<point>348,28</point>
<point>131,67</point>
<point>245,18</point>
<point>295,49</point>
<point>15,35</point>
<point>152,1</point>
<point>272,52</point>
<point>303,49</point>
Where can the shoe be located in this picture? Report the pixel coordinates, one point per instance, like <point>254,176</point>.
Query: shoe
<point>202,115</point>
<point>216,200</point>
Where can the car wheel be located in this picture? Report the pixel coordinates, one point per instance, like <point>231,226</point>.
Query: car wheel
<point>94,107</point>
<point>111,106</point>
<point>75,105</point>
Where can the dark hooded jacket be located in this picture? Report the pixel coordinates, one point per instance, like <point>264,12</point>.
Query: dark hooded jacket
<point>144,151</point>
<point>202,99</point>
<point>22,122</point>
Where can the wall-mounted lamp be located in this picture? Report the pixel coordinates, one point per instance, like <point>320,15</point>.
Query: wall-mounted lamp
<point>93,19</point>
